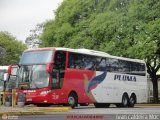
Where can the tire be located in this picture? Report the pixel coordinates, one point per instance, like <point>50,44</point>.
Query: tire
<point>72,100</point>
<point>132,101</point>
<point>125,100</point>
<point>101,105</point>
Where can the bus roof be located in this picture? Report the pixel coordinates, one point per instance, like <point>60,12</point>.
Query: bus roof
<point>98,53</point>
<point>88,52</point>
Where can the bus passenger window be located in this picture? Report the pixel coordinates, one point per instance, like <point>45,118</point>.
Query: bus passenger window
<point>102,64</point>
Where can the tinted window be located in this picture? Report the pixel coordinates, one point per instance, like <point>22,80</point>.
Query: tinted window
<point>36,57</point>
<point>60,60</point>
<point>81,61</point>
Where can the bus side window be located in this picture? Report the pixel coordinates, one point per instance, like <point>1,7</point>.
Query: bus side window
<point>75,61</point>
<point>102,64</point>
<point>71,61</point>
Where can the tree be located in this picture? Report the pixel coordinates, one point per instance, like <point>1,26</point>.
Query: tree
<point>13,48</point>
<point>128,28</point>
<point>33,39</point>
<point>2,51</point>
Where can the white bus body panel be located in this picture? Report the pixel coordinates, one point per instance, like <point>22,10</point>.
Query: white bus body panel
<point>111,90</point>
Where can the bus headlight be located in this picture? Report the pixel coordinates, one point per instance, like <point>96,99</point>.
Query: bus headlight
<point>45,92</point>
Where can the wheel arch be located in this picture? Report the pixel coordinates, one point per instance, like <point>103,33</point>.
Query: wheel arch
<point>125,93</point>
<point>73,92</point>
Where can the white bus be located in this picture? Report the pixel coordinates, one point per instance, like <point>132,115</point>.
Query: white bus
<point>117,80</point>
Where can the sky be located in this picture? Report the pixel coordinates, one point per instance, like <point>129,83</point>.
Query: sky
<point>18,17</point>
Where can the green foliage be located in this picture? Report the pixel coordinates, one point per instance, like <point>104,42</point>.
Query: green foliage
<point>13,49</point>
<point>120,27</point>
<point>33,39</point>
<point>127,28</point>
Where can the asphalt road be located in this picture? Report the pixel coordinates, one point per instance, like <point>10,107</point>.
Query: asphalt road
<point>92,113</point>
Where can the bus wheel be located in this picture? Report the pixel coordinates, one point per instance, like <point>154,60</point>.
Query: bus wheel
<point>101,105</point>
<point>132,100</point>
<point>72,100</point>
<point>125,100</point>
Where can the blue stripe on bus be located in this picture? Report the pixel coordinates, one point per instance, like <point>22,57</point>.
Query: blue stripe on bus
<point>96,80</point>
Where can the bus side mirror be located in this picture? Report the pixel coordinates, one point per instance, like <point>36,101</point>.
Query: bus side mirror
<point>49,67</point>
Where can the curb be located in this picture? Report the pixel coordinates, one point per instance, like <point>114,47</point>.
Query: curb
<point>52,109</point>
<point>147,104</point>
<point>36,111</point>
<point>18,113</point>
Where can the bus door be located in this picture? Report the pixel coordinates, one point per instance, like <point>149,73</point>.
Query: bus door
<point>58,70</point>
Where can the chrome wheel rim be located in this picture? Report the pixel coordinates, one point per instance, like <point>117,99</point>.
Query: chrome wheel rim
<point>71,101</point>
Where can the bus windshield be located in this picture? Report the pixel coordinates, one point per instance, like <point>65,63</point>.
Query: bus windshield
<point>34,76</point>
<point>36,57</point>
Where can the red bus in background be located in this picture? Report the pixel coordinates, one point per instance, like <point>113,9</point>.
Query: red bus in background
<point>10,84</point>
<point>80,76</point>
